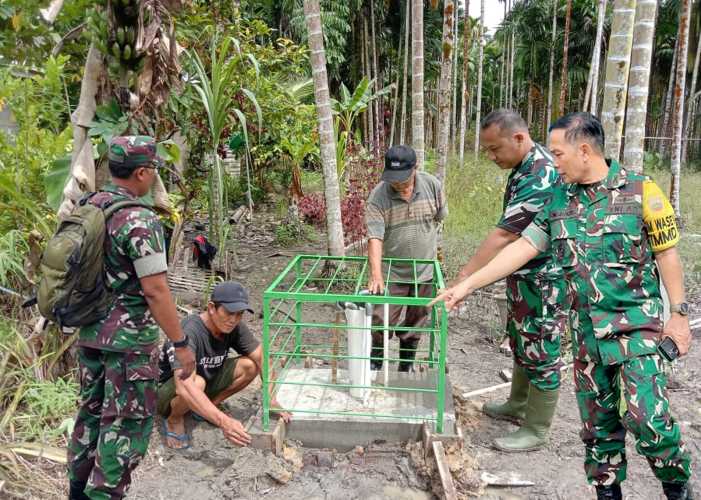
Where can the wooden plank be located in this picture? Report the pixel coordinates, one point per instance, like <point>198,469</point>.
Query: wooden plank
<point>444,471</point>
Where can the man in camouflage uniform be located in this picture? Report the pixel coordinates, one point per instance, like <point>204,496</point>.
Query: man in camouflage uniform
<point>534,322</point>
<point>613,235</point>
<point>118,356</point>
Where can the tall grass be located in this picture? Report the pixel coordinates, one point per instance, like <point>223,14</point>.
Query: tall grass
<point>475,195</point>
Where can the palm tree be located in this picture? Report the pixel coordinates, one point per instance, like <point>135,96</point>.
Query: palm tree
<point>596,58</point>
<point>417,80</point>
<point>617,65</point>
<point>691,105</point>
<point>402,135</point>
<point>465,67</point>
<point>638,84</point>
<point>480,41</point>
<point>332,193</point>
<point>680,85</point>
<point>565,52</point>
<point>445,86</point>
<point>549,111</point>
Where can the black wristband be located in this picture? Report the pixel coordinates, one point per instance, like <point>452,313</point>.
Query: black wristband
<point>180,343</point>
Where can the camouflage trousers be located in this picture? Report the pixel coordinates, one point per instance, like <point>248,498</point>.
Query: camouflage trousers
<point>598,390</point>
<point>535,323</point>
<point>114,422</point>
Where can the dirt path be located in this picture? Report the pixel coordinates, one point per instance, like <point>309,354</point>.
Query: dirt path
<point>214,469</point>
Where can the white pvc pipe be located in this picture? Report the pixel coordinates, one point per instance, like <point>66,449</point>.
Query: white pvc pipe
<point>385,339</point>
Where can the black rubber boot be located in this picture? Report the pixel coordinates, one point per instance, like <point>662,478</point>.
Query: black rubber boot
<point>611,492</point>
<point>77,490</point>
<point>376,352</point>
<point>678,491</point>
<point>407,353</point>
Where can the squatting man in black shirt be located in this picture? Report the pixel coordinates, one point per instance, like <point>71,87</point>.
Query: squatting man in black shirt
<point>210,335</point>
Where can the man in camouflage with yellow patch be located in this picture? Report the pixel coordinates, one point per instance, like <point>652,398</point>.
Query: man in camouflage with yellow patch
<point>118,356</point>
<point>613,235</point>
<point>535,321</point>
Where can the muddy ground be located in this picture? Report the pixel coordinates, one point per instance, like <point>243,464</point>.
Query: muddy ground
<point>214,469</point>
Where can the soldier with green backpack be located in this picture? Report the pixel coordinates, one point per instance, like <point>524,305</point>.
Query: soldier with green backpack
<point>105,272</point>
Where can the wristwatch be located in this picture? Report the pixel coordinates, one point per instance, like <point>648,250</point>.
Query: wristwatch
<point>681,308</point>
<point>180,343</point>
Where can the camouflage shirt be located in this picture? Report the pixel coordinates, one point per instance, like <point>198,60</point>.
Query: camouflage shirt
<point>603,237</point>
<point>134,248</point>
<point>528,190</point>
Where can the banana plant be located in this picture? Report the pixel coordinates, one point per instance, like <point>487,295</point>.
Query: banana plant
<point>347,110</point>
<point>217,96</point>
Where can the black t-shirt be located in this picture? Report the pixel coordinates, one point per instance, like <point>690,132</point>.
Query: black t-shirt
<point>210,352</point>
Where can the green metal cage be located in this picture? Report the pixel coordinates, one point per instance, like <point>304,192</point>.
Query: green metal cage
<point>301,329</point>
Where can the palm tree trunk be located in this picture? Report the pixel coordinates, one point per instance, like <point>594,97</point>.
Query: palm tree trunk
<point>454,106</point>
<point>396,95</point>
<point>691,105</point>
<point>370,110</point>
<point>364,71</point>
<point>639,84</point>
<point>549,110</point>
<point>478,105</point>
<point>617,65</point>
<point>465,73</point>
<point>511,66</point>
<point>666,144</point>
<point>445,85</point>
<point>379,120</point>
<point>565,52</point>
<point>417,80</point>
<point>502,94</point>
<point>402,125</point>
<point>679,88</point>
<point>332,193</point>
<point>596,59</point>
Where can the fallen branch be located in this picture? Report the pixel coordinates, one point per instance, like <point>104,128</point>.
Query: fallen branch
<point>52,453</point>
<point>493,388</point>
<point>510,480</point>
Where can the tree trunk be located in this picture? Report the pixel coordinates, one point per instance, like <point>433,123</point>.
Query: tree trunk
<point>549,110</point>
<point>691,106</point>
<point>511,66</point>
<point>502,94</point>
<point>478,105</point>
<point>364,71</point>
<point>379,120</point>
<point>638,84</point>
<point>444,94</point>
<point>82,177</point>
<point>465,73</point>
<point>417,80</point>
<point>679,88</point>
<point>370,111</point>
<point>332,193</point>
<point>453,137</point>
<point>617,65</point>
<point>666,144</point>
<point>565,52</point>
<point>596,59</point>
<point>402,125</point>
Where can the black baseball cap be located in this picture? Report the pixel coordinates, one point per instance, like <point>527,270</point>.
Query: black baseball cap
<point>399,163</point>
<point>232,295</point>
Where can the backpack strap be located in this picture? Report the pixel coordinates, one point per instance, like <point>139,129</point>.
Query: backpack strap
<point>115,206</point>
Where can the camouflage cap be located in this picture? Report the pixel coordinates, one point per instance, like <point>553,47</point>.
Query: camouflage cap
<point>133,151</point>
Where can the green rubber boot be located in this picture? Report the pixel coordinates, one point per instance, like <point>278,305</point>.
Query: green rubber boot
<point>514,409</point>
<point>533,434</point>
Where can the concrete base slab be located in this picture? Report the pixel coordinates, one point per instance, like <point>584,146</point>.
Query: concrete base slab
<point>354,421</point>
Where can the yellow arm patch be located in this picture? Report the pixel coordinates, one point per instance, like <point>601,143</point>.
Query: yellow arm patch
<point>659,219</point>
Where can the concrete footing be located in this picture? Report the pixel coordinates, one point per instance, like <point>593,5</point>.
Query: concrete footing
<point>345,431</point>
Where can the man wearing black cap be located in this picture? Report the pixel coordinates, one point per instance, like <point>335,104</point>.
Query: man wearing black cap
<point>403,215</point>
<point>210,335</point>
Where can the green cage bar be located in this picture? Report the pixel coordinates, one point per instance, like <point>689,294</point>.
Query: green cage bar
<point>298,331</point>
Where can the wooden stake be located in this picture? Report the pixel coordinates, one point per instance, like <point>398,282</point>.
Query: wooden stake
<point>444,471</point>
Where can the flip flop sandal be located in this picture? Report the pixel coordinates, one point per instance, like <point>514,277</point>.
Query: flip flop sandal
<point>183,438</point>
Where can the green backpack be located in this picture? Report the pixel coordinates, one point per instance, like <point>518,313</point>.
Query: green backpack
<point>72,291</point>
